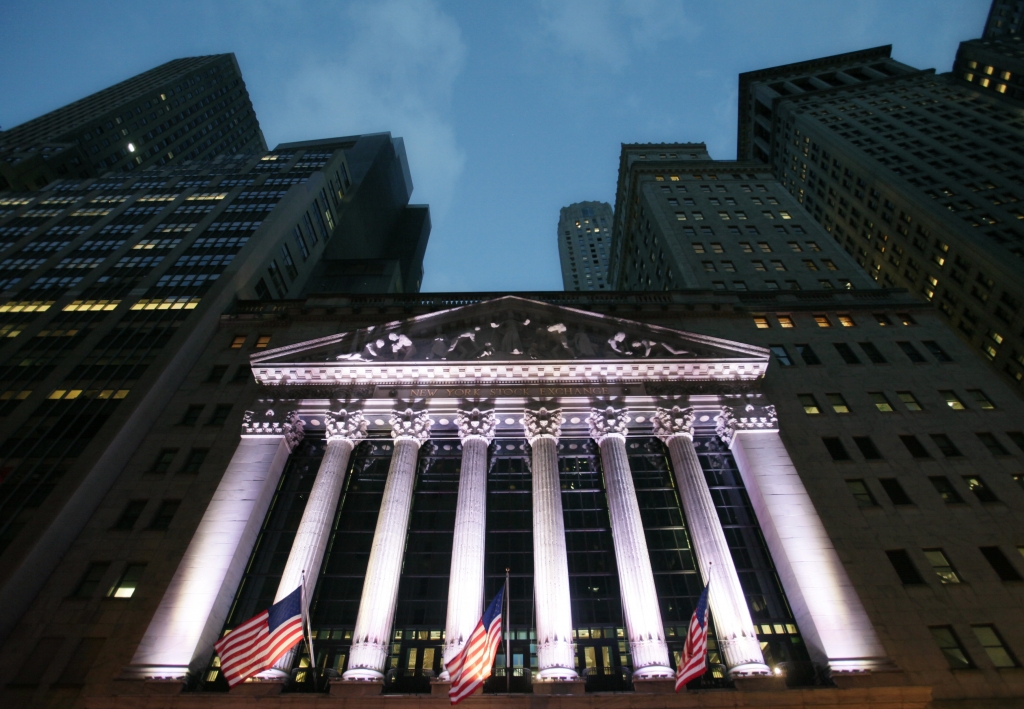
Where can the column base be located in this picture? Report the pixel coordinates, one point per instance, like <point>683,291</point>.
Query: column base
<point>362,675</point>
<point>654,672</point>
<point>356,688</point>
<point>750,669</point>
<point>567,686</point>
<point>654,685</point>
<point>273,675</point>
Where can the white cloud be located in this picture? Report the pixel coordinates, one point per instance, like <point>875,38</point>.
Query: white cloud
<point>610,32</point>
<point>396,72</point>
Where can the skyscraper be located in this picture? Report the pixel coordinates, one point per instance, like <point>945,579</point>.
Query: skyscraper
<point>113,288</point>
<point>1005,18</point>
<point>584,243</point>
<point>191,108</point>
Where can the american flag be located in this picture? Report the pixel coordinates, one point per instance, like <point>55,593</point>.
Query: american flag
<point>259,642</point>
<point>691,664</point>
<point>472,666</point>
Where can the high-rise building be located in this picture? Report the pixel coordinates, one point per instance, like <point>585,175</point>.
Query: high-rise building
<point>112,289</point>
<point>920,177</point>
<point>584,244</point>
<point>683,221</point>
<point>1005,18</point>
<point>186,109</point>
<point>994,64</point>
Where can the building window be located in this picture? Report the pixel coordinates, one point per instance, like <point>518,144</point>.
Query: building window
<point>217,373</point>
<point>867,447</point>
<point>937,352</point>
<point>237,342</point>
<point>220,415</point>
<point>91,579</point>
<point>880,401</point>
<point>994,646</point>
<point>781,355</point>
<point>945,445</point>
<point>872,352</point>
<point>992,443</point>
<point>846,321</point>
<point>163,460</point>
<point>981,400</point>
<point>951,648</point>
<point>761,323</point>
<point>195,459</point>
<point>1000,564</point>
<point>808,355</point>
<point>952,401</point>
<point>129,581</point>
<point>976,485</point>
<point>941,566</point>
<point>861,493</point>
<point>836,449</point>
<point>909,400</point>
<point>906,318</point>
<point>164,514</point>
<point>882,319</point>
<point>838,403</point>
<point>810,404</point>
<point>822,321</point>
<point>262,342</point>
<point>130,515</point>
<point>192,414</point>
<point>904,567</point>
<point>846,352</point>
<point>911,352</point>
<point>946,490</point>
<point>242,374</point>
<point>895,491</point>
<point>914,446</point>
<point>1017,437</point>
<point>786,322</point>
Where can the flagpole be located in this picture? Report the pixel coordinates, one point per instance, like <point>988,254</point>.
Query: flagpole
<point>508,637</point>
<point>309,629</point>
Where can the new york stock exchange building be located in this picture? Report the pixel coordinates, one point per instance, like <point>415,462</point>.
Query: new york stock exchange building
<point>612,454</point>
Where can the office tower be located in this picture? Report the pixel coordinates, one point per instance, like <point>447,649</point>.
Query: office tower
<point>113,288</point>
<point>584,242</point>
<point>918,176</point>
<point>1005,18</point>
<point>186,109</point>
<point>837,461</point>
<point>683,220</point>
<point>996,65</point>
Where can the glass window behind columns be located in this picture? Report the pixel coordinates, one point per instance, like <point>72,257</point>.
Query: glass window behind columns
<point>270,553</point>
<point>602,652</point>
<point>780,638</point>
<point>418,641</point>
<point>510,546</point>
<point>668,541</point>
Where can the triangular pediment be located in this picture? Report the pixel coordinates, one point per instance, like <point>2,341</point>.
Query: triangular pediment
<point>508,329</point>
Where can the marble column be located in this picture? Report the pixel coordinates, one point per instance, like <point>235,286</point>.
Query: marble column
<point>372,634</point>
<point>466,580</point>
<point>640,608</point>
<point>735,628</point>
<point>344,430</point>
<point>195,606</point>
<point>828,611</point>
<point>555,653</point>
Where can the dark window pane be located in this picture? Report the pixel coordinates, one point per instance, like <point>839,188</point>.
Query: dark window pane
<point>91,579</point>
<point>217,373</point>
<point>130,515</point>
<point>191,415</point>
<point>904,567</point>
<point>895,491</point>
<point>937,352</point>
<point>808,354</point>
<point>846,352</point>
<point>242,374</point>
<point>1017,437</point>
<point>867,447</point>
<point>220,415</point>
<point>945,488</point>
<point>1000,564</point>
<point>945,444</point>
<point>836,448</point>
<point>164,459</point>
<point>37,661</point>
<point>992,443</point>
<point>781,355</point>
<point>915,447</point>
<point>164,514</point>
<point>82,661</point>
<point>980,489</point>
<point>861,493</point>
<point>872,352</point>
<point>195,459</point>
<point>910,351</point>
<point>950,645</point>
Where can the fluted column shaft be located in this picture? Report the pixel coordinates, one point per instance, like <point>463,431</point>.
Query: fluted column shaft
<point>555,656</point>
<point>372,633</point>
<point>640,607</point>
<point>735,628</point>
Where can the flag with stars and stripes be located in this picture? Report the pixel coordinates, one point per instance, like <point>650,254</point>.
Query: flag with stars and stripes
<point>692,662</point>
<point>471,667</point>
<point>259,642</point>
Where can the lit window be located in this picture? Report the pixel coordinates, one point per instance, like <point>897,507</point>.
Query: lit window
<point>909,401</point>
<point>698,248</point>
<point>810,404</point>
<point>846,321</point>
<point>717,247</point>
<point>785,215</point>
<point>952,401</point>
<point>951,648</point>
<point>761,323</point>
<point>838,403</point>
<point>262,341</point>
<point>880,401</point>
<point>941,566</point>
<point>981,400</point>
<point>883,320</point>
<point>822,321</point>
<point>786,322</point>
<point>795,246</point>
<point>976,485</point>
<point>994,647</point>
<point>237,342</point>
<point>129,581</point>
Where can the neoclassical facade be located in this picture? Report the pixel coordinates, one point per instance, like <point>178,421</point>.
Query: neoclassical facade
<point>406,447</point>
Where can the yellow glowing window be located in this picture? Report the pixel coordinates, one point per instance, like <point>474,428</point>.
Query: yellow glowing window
<point>237,342</point>
<point>846,321</point>
<point>988,70</point>
<point>785,215</point>
<point>262,341</point>
<point>969,76</point>
<point>26,306</point>
<point>674,178</point>
<point>972,65</point>
<point>19,395</point>
<point>659,178</point>
<point>952,400</point>
<point>810,404</point>
<point>786,322</point>
<point>57,394</point>
<point>880,401</point>
<point>984,81</point>
<point>1001,88</point>
<point>822,321</point>
<point>761,323</point>
<point>129,581</point>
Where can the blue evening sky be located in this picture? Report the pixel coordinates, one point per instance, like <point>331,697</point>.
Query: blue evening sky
<point>510,110</point>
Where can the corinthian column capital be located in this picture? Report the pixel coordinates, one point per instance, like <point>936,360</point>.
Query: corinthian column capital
<point>608,422</point>
<point>274,418</point>
<point>543,423</point>
<point>669,423</point>
<point>476,424</point>
<point>350,425</point>
<point>411,425</point>
<point>745,418</point>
